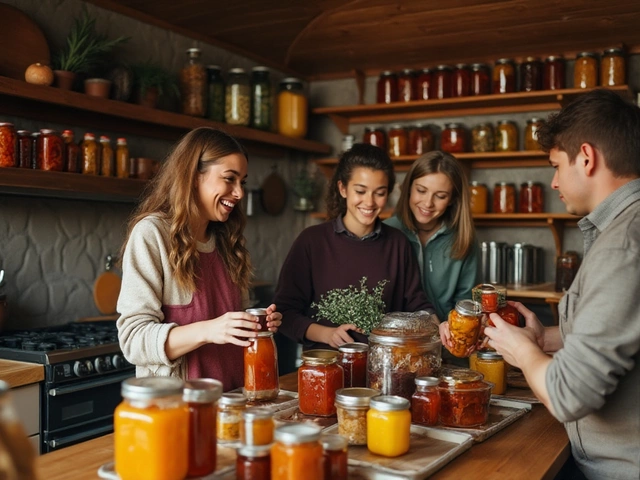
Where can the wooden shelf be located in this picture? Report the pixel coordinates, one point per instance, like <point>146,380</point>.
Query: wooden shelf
<point>480,105</point>
<point>50,104</point>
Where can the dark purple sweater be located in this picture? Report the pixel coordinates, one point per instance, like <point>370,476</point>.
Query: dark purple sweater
<point>321,259</point>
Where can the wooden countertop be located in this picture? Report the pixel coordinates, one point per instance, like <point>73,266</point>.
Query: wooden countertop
<point>534,447</point>
<point>18,374</point>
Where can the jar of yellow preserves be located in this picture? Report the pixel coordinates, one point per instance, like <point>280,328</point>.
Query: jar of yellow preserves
<point>506,136</point>
<point>292,108</point>
<point>230,408</point>
<point>465,321</point>
<point>297,453</point>
<point>388,425</point>
<point>585,70</point>
<point>494,369</point>
<point>151,434</point>
<point>257,426</point>
<point>479,197</point>
<point>613,69</point>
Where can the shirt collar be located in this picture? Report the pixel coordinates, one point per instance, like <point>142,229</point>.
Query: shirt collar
<point>338,227</point>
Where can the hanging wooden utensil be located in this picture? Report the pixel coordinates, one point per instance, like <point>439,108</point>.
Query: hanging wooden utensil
<point>106,289</point>
<point>273,195</point>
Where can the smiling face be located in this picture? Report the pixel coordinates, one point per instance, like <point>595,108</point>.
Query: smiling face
<point>366,195</point>
<point>569,180</point>
<point>429,198</point>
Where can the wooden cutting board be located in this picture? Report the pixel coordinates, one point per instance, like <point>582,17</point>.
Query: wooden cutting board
<point>22,43</point>
<point>105,292</point>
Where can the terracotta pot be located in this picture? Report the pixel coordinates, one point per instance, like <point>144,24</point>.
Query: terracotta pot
<point>97,87</point>
<point>64,79</point>
<point>149,99</point>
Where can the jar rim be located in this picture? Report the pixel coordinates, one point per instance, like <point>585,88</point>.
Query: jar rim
<point>532,59</point>
<point>355,396</point>
<point>468,307</point>
<point>427,381</point>
<point>145,388</point>
<point>489,355</point>
<point>553,58</point>
<point>213,67</point>
<point>257,413</point>
<point>502,61</point>
<point>232,399</point>
<point>333,442</point>
<point>460,66</point>
<point>535,120</point>
<point>291,80</point>
<point>202,390</point>
<point>476,66</point>
<point>297,433</point>
<point>319,357</point>
<point>6,124</point>
<point>255,450</point>
<point>455,376</point>
<point>389,403</point>
<point>614,50</point>
<point>353,347</point>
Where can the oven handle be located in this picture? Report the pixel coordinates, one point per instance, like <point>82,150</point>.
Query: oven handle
<point>54,392</point>
<point>62,441</point>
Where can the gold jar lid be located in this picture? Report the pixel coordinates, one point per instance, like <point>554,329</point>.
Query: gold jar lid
<point>319,357</point>
<point>354,347</point>
<point>355,396</point>
<point>457,376</point>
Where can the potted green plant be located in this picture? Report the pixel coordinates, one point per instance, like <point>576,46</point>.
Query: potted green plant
<point>305,187</point>
<point>150,81</point>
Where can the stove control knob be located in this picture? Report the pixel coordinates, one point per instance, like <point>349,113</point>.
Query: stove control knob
<point>101,365</point>
<point>117,361</point>
<point>89,366</point>
<point>80,369</point>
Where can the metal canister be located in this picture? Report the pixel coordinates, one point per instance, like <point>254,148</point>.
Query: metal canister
<point>494,262</point>
<point>521,264</point>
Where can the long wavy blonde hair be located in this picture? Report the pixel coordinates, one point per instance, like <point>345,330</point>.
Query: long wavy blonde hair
<point>172,195</point>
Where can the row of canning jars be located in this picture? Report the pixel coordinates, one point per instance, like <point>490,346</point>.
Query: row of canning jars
<point>445,81</point>
<point>504,137</point>
<point>504,198</point>
<point>242,99</point>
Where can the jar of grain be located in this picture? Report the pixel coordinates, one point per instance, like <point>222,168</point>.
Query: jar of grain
<point>237,104</point>
<point>193,85</point>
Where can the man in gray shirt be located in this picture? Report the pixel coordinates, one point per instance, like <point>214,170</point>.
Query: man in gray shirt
<point>592,382</point>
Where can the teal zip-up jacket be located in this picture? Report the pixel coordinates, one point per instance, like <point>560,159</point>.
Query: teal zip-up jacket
<point>444,279</point>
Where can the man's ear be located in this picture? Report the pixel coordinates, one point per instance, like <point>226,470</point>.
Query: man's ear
<point>590,156</point>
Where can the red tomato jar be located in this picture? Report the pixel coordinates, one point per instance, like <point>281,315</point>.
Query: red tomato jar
<point>375,136</point>
<point>319,378</point>
<point>387,88</point>
<point>461,81</point>
<point>425,403</point>
<point>480,82</point>
<point>353,360</point>
<point>424,84</point>
<point>453,138</point>
<point>440,82</point>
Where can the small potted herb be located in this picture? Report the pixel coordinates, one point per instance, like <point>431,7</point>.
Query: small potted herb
<point>305,187</point>
<point>150,82</point>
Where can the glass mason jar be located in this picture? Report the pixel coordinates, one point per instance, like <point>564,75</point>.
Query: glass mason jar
<point>480,84</point>
<point>553,73</point>
<point>504,198</point>
<point>482,138</point>
<point>292,108</point>
<point>297,453</point>
<point>585,70</point>
<point>50,151</point>
<point>567,266</point>
<point>531,134</point>
<point>506,137</point>
<point>465,321</point>
<point>387,87</point>
<point>531,198</point>
<point>407,85</point>
<point>375,136</point>
<point>122,158</point>
<point>151,441</point>
<point>193,85</point>
<point>461,81</point>
<point>253,463</point>
<point>402,347</point>
<point>453,138</point>
<point>420,140</point>
<point>261,105</point>
<point>352,358</point>
<point>319,378</point>
<point>107,161</point>
<point>229,417</point>
<point>237,102</point>
<point>216,97</point>
<point>8,145</point>
<point>257,426</point>
<point>24,149</point>
<point>18,458</point>
<point>398,139</point>
<point>261,368</point>
<point>201,396</point>
<point>440,82</point>
<point>261,313</point>
<point>424,84</point>
<point>479,197</point>
<point>494,369</point>
<point>531,75</point>
<point>504,76</point>
<point>34,149</point>
<point>352,405</point>
<point>613,69</point>
<point>334,455</point>
<point>425,403</point>
<point>493,299</point>
<point>388,425</point>
<point>71,152</point>
<point>464,398</point>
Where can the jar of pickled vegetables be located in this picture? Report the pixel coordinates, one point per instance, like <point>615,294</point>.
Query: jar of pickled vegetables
<point>387,87</point>
<point>50,151</point>
<point>71,150</point>
<point>504,198</point>
<point>494,369</point>
<point>352,358</point>
<point>464,398</point>
<point>319,378</point>
<point>257,426</point>
<point>407,85</point>
<point>424,84</point>
<point>480,83</point>
<point>530,75</point>
<point>482,139</point>
<point>122,158</point>
<point>420,140</point>
<point>553,73</point>
<point>453,138</point>
<point>201,396</point>
<point>297,453</point>
<point>151,438</point>
<point>531,199</point>
<point>613,69</point>
<point>504,76</point>
<point>375,136</point>
<point>531,134</point>
<point>230,408</point>
<point>261,368</point>
<point>352,405</point>
<point>253,463</point>
<point>425,403</point>
<point>216,94</point>
<point>8,145</point>
<point>441,82</point>
<point>107,164</point>
<point>237,100</point>
<point>479,197</point>
<point>398,140</point>
<point>506,138</point>
<point>261,105</point>
<point>24,149</point>
<point>461,81</point>
<point>465,321</point>
<point>388,425</point>
<point>89,154</point>
<point>334,454</point>
<point>292,108</point>
<point>193,85</point>
<point>585,70</point>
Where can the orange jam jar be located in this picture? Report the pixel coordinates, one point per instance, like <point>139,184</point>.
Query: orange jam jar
<point>201,396</point>
<point>257,426</point>
<point>297,453</point>
<point>494,369</point>
<point>479,197</point>
<point>465,321</point>
<point>261,368</point>
<point>151,437</point>
<point>319,378</point>
<point>464,398</point>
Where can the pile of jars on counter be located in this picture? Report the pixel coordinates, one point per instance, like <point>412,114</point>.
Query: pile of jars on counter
<point>504,198</point>
<point>445,81</point>
<point>242,99</point>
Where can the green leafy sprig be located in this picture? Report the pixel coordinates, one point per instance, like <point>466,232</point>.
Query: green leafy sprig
<point>353,304</point>
<point>151,75</point>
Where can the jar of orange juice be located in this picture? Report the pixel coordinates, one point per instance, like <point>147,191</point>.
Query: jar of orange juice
<point>292,108</point>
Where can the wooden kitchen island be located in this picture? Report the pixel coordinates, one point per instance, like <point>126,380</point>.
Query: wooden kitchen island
<point>534,447</point>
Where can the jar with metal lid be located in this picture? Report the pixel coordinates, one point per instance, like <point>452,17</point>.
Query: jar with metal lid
<point>50,151</point>
<point>297,453</point>
<point>261,105</point>
<point>479,197</point>
<point>567,266</point>
<point>482,138</point>
<point>8,145</point>
<point>388,425</point>
<point>530,75</point>
<point>261,368</point>
<point>407,85</point>
<point>398,139</point>
<point>420,140</point>
<point>237,102</point>
<point>352,405</point>
<point>375,136</point>
<point>216,94</point>
<point>24,149</point>
<point>334,454</point>
<point>504,198</point>
<point>465,321</point>
<point>292,108</point>
<point>585,70</point>
<point>453,138</point>
<point>493,299</point>
<point>424,84</point>
<point>201,396</point>
<point>402,347</point>
<point>531,199</point>
<point>107,164</point>
<point>613,68</point>
<point>261,314</point>
<point>553,73</point>
<point>34,149</point>
<point>425,403</point>
<point>504,76</point>
<point>494,369</point>
<point>441,82</point>
<point>150,428</point>
<point>387,87</point>
<point>461,81</point>
<point>89,155</point>
<point>257,426</point>
<point>319,378</point>
<point>464,398</point>
<point>193,85</point>
<point>253,462</point>
<point>480,82</point>
<point>122,158</point>
<point>531,134</point>
<point>506,137</point>
<point>352,357</point>
<point>71,152</point>
<point>230,408</point>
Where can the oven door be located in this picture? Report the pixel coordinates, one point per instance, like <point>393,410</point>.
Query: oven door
<point>79,411</point>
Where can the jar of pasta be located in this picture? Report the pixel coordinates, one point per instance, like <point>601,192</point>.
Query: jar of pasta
<point>201,396</point>
<point>553,73</point>
<point>424,84</point>
<point>464,398</point>
<point>504,76</point>
<point>334,454</point>
<point>237,102</point>
<point>297,453</point>
<point>531,134</point>
<point>506,137</point>
<point>504,198</point>
<point>292,108</point>
<point>216,94</point>
<point>107,164</point>
<point>613,69</point>
<point>352,405</point>
<point>352,357</point>
<point>531,199</point>
<point>50,151</point>
<point>388,425</point>
<point>494,369</point>
<point>253,462</point>
<point>482,138</point>
<point>479,197</point>
<point>530,75</point>
<point>230,408</point>
<point>461,81</point>
<point>261,105</point>
<point>453,138</point>
<point>387,87</point>
<point>585,70</point>
<point>122,158</point>
<point>8,145</point>
<point>150,427</point>
<point>425,403</point>
<point>398,140</point>
<point>465,321</point>
<point>319,378</point>
<point>440,82</point>
<point>261,368</point>
<point>193,85</point>
<point>257,426</point>
<point>480,83</point>
<point>407,85</point>
<point>24,149</point>
<point>420,140</point>
<point>375,136</point>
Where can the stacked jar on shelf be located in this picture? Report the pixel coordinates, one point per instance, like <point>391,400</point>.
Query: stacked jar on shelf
<point>504,198</point>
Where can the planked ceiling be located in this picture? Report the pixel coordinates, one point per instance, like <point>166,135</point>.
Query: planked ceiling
<point>332,38</point>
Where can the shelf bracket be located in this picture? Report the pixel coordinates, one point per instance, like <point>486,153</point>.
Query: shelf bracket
<point>341,122</point>
<point>360,78</point>
<point>557,229</point>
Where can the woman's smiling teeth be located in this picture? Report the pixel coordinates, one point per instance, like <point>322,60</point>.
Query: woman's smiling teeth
<point>227,203</point>
<point>367,211</point>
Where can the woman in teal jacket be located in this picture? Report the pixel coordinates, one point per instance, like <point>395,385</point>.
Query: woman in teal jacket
<point>434,213</point>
